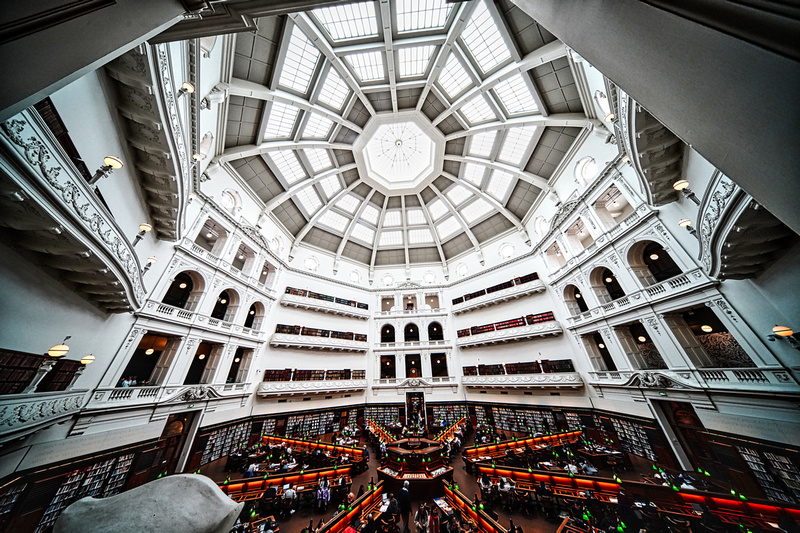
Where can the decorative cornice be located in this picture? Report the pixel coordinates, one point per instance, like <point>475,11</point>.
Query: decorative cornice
<point>291,388</point>
<point>323,306</point>
<point>23,414</point>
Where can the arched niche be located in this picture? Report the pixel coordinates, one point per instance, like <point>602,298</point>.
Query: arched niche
<point>575,301</point>
<point>411,333</point>
<point>226,305</point>
<point>185,290</point>
<point>387,333</point>
<point>255,316</point>
<point>651,263</point>
<point>554,257</point>
<point>435,332</point>
<point>612,207</point>
<point>605,285</point>
<point>212,237</point>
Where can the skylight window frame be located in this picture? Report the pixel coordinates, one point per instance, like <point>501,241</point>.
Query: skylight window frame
<point>356,39</point>
<point>358,228</point>
<point>497,175</point>
<point>458,195</point>
<point>324,76</point>
<point>283,166</point>
<point>280,108</point>
<point>428,65</point>
<point>526,80</point>
<point>514,135</point>
<point>338,218</point>
<point>343,202</point>
<point>468,210</point>
<point>419,219</point>
<point>483,118</point>
<point>451,222</point>
<point>317,117</point>
<point>325,189</point>
<point>355,70</point>
<point>391,233</point>
<point>429,238</point>
<point>285,51</point>
<point>469,53</point>
<point>437,213</point>
<point>474,169</point>
<point>311,154</point>
<point>480,136</point>
<point>397,33</point>
<point>468,70</point>
<point>370,208</point>
<point>393,218</point>
<point>300,199</point>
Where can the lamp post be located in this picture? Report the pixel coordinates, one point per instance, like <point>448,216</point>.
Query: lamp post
<point>686,223</point>
<point>150,261</point>
<point>144,227</point>
<point>110,163</point>
<point>784,332</point>
<point>186,88</point>
<point>683,186</point>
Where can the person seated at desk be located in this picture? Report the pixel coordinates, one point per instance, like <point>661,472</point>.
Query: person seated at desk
<point>504,485</point>
<point>486,485</point>
<point>571,468</point>
<point>290,493</point>
<point>686,481</point>
<point>587,468</point>
<point>371,525</point>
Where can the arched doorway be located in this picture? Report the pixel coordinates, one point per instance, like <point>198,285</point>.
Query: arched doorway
<point>435,332</point>
<point>411,333</point>
<point>652,263</point>
<point>387,333</point>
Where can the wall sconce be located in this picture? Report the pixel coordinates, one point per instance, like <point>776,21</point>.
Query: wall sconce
<point>110,163</point>
<point>144,227</point>
<point>87,360</point>
<point>683,186</point>
<point>150,261</point>
<point>686,223</point>
<point>186,88</point>
<point>59,350</point>
<point>783,332</point>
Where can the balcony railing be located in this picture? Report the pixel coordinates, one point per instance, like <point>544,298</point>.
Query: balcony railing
<point>317,342</point>
<point>49,201</point>
<point>401,345</point>
<point>190,318</point>
<point>325,306</point>
<point>571,380</point>
<point>527,331</point>
<point>105,398</point>
<point>745,380</point>
<point>290,388</point>
<point>424,311</point>
<point>510,290</point>
<point>671,288</point>
<point>441,381</point>
<point>23,414</point>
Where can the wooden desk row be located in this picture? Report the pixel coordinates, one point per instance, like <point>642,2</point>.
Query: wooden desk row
<point>251,489</point>
<point>368,503</point>
<point>478,518</point>
<point>448,433</point>
<point>310,446</point>
<point>499,449</point>
<point>666,499</point>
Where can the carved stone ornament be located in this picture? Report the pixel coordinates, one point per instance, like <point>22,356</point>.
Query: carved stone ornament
<point>194,394</point>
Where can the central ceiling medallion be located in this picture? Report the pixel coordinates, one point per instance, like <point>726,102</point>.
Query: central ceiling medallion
<point>399,153</point>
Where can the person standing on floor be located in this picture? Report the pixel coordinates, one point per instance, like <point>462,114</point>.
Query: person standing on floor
<point>404,499</point>
<point>421,519</point>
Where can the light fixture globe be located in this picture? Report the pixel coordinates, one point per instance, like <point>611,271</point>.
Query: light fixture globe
<point>87,359</point>
<point>59,350</point>
<point>782,331</point>
<point>399,153</point>
<point>112,162</point>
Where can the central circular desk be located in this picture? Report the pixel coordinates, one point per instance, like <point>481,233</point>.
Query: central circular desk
<point>419,461</point>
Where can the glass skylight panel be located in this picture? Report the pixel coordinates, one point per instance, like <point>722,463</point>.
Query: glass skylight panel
<point>415,216</point>
<point>437,209</point>
<point>477,110</point>
<point>413,15</point>
<point>334,221</point>
<point>473,173</point>
<point>481,143</point>
<point>499,184</point>
<point>350,21</point>
<point>370,214</point>
<point>447,228</point>
<point>391,238</point>
<point>288,165</point>
<point>368,66</point>
<point>334,91</point>
<point>319,158</point>
<point>515,96</point>
<point>317,127</point>
<point>476,210</point>
<point>454,77</point>
<point>281,121</point>
<point>392,218</point>
<point>515,144</point>
<point>299,63</point>
<point>363,233</point>
<point>458,195</point>
<point>309,199</point>
<point>414,61</point>
<point>420,236</point>
<point>348,203</point>
<point>331,185</point>
<point>483,39</point>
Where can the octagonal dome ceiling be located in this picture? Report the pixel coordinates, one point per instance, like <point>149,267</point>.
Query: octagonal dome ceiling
<point>400,133</point>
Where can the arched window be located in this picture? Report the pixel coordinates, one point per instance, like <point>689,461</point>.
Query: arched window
<point>612,285</point>
<point>221,307</point>
<point>605,285</point>
<point>574,300</point>
<point>179,291</point>
<point>435,332</point>
<point>411,333</point>
<point>585,171</point>
<point>251,316</point>
<point>212,237</point>
<point>387,333</point>
<point>651,263</point>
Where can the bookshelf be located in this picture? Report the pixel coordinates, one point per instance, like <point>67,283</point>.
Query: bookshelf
<point>480,415</point>
<point>269,427</point>
<point>495,288</point>
<point>118,475</point>
<point>65,495</point>
<point>573,421</point>
<point>383,415</point>
<point>311,425</point>
<point>224,441</point>
<point>773,490</point>
<point>9,498</point>
<point>524,420</point>
<point>787,471</point>
<point>449,414</point>
<point>633,439</point>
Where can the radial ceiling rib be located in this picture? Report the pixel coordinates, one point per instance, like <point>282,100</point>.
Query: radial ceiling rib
<point>386,19</point>
<point>250,150</point>
<point>496,204</point>
<point>313,220</point>
<point>464,225</point>
<point>531,178</point>
<point>436,239</point>
<point>349,229</point>
<point>464,13</point>
<point>542,55</point>
<point>313,33</point>
<point>561,119</point>
<point>404,221</point>
<point>377,236</point>
<point>291,191</point>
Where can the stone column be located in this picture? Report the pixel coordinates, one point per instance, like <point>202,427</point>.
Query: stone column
<point>45,367</point>
<point>686,341</point>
